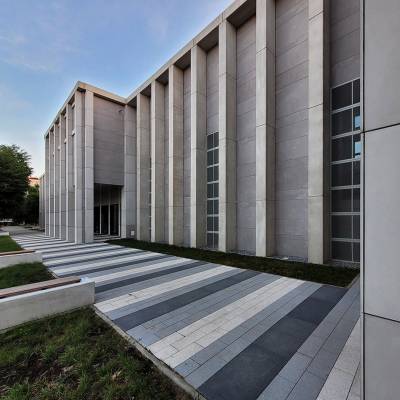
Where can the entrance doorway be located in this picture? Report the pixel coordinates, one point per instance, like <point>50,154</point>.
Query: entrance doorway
<point>107,210</point>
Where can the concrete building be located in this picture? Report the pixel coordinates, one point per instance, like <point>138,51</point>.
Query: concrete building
<point>228,145</point>
<point>273,132</point>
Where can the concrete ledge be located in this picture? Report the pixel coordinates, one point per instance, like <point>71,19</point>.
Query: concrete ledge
<point>31,306</point>
<point>19,257</point>
<point>4,233</point>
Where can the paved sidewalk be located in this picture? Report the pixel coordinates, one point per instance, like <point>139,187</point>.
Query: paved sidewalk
<point>230,333</point>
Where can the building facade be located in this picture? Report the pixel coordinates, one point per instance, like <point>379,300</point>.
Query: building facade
<point>246,140</point>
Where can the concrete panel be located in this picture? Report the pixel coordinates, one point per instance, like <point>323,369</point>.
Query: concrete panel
<point>291,128</point>
<point>128,194</point>
<point>57,151</point>
<point>381,63</point>
<point>166,163</point>
<point>198,182</point>
<point>186,155</point>
<point>176,112</point>
<point>143,168</point>
<point>381,358</point>
<point>89,168</point>
<point>157,161</point>
<point>227,136</point>
<point>63,192</point>
<point>108,120</point>
<point>69,177</point>
<point>381,223</point>
<point>265,130</point>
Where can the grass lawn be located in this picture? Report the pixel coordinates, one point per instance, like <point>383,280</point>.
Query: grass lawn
<point>77,356</point>
<point>8,244</point>
<point>310,272</point>
<point>22,274</point>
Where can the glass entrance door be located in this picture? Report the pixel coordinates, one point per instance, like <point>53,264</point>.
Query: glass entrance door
<point>114,219</point>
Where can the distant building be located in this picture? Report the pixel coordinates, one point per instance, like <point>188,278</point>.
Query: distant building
<point>33,181</point>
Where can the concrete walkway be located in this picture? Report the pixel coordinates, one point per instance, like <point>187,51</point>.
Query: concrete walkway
<point>232,334</point>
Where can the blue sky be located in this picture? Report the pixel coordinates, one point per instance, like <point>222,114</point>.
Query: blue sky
<point>46,46</point>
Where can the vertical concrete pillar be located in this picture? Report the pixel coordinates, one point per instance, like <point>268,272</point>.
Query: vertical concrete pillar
<point>227,136</point>
<point>88,169</point>
<point>318,132</point>
<point>51,182</point>
<point>63,193</point>
<point>69,176</point>
<point>198,116</point>
<point>157,161</point>
<point>46,185</point>
<point>143,167</point>
<point>265,128</point>
<point>79,167</point>
<point>128,199</point>
<point>57,149</point>
<point>175,169</point>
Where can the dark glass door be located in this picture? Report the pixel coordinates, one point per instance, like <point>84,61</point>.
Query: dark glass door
<point>114,219</point>
<point>104,220</point>
<point>96,213</point>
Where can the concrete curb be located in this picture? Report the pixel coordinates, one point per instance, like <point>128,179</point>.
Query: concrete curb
<point>23,257</point>
<point>27,307</point>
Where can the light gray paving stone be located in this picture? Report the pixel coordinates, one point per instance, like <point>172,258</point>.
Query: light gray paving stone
<point>308,388</point>
<point>279,389</point>
<point>295,368</point>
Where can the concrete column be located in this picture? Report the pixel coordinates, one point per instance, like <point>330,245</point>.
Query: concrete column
<point>265,128</point>
<point>79,167</point>
<point>227,137</point>
<point>380,198</point>
<point>143,167</point>
<point>198,181</point>
<point>175,169</point>
<point>51,182</point>
<point>57,150</point>
<point>69,177</point>
<point>63,193</point>
<point>88,169</point>
<point>157,161</point>
<point>128,198</point>
<point>46,186</point>
<point>318,133</point>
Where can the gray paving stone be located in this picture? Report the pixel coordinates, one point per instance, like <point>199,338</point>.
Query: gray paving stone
<point>308,388</point>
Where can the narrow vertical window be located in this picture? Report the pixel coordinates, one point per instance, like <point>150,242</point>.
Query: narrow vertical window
<point>345,172</point>
<point>212,190</point>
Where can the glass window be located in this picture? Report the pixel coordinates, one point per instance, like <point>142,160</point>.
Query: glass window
<point>356,200</point>
<point>341,174</point>
<point>356,173</point>
<point>341,96</point>
<point>341,200</point>
<point>356,91</point>
<point>342,148</point>
<point>356,119</point>
<point>342,251</point>
<point>356,252</point>
<point>356,227</point>
<point>342,122</point>
<point>342,226</point>
<point>357,146</point>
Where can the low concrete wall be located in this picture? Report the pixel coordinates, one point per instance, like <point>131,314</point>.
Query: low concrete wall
<point>19,258</point>
<point>30,306</point>
<point>4,233</point>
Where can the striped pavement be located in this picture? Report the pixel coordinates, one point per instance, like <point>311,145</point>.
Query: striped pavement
<point>230,333</point>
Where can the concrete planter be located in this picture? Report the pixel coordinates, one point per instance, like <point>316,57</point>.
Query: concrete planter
<point>31,306</point>
<point>19,257</point>
<point>4,233</point>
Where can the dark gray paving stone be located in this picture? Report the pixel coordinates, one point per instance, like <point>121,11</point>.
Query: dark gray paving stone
<point>77,253</point>
<point>137,318</point>
<point>250,372</point>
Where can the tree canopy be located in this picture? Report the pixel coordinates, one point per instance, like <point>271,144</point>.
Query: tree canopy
<point>14,179</point>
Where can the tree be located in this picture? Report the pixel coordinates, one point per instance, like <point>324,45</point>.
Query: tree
<point>14,179</point>
<point>28,213</point>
